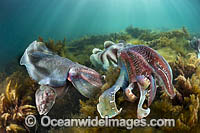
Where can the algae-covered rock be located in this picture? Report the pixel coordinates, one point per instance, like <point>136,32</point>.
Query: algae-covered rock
<point>134,32</point>
<point>168,53</point>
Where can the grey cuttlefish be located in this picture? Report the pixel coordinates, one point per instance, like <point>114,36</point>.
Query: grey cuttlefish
<point>54,73</point>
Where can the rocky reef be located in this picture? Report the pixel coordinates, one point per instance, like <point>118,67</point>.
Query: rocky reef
<point>17,89</point>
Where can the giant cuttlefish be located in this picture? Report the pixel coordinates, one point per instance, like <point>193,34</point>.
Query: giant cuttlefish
<point>140,67</point>
<point>54,73</point>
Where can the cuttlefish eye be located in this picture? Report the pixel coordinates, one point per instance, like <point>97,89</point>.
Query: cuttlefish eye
<point>45,99</point>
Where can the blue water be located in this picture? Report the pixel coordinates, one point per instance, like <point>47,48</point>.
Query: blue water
<point>22,21</point>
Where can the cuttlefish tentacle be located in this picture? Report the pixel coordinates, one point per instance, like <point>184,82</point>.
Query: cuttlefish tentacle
<point>143,83</point>
<point>141,112</point>
<point>107,105</point>
<point>129,94</point>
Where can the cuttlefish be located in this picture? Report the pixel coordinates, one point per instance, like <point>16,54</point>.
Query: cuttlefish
<point>54,73</point>
<point>141,68</point>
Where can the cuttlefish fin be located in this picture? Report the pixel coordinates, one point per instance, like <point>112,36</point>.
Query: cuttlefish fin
<point>107,105</point>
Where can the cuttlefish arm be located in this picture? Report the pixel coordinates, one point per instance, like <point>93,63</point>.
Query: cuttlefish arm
<point>153,90</point>
<point>143,83</point>
<point>129,94</point>
<point>106,57</point>
<point>107,105</point>
<point>141,112</point>
<point>86,80</point>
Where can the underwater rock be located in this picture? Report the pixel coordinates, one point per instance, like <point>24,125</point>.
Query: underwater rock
<point>179,33</point>
<point>134,32</point>
<point>53,72</point>
<point>176,45</point>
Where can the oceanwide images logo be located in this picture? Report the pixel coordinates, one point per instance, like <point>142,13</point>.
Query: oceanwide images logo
<point>46,121</point>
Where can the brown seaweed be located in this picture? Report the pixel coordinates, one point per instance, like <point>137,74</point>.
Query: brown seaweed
<point>18,90</point>
<point>16,103</point>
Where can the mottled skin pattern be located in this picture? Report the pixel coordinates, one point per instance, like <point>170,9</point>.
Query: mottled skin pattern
<point>195,44</point>
<point>54,73</point>
<point>107,57</point>
<point>162,69</point>
<point>140,66</point>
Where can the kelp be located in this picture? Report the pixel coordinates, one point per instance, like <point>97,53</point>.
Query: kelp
<point>179,46</point>
<point>68,105</point>
<point>83,47</point>
<point>60,47</point>
<point>168,43</point>
<point>149,35</point>
<point>180,34</point>
<point>185,115</point>
<point>16,102</point>
<point>99,39</point>
<point>185,66</point>
<point>184,108</point>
